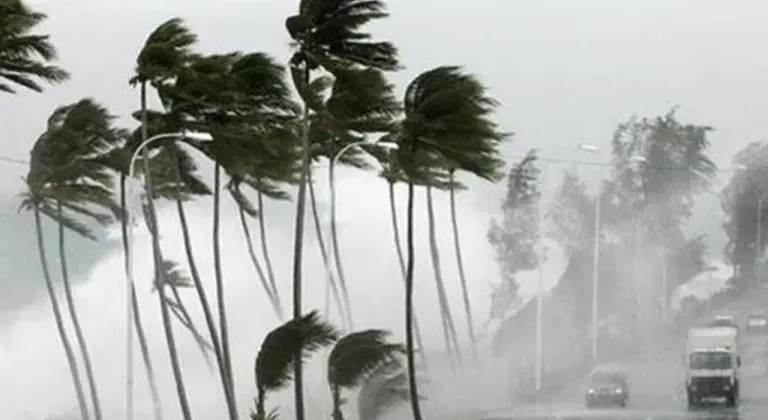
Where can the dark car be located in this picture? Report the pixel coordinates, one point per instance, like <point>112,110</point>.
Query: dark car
<point>607,387</point>
<point>757,323</point>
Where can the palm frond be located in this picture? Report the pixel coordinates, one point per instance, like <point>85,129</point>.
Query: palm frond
<point>164,51</point>
<point>173,275</point>
<point>329,34</point>
<point>24,56</point>
<point>448,114</point>
<point>295,339</point>
<point>383,389</point>
<point>358,354</point>
<point>273,414</point>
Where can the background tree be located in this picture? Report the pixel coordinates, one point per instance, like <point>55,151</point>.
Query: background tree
<point>741,201</point>
<point>25,56</point>
<point>514,237</point>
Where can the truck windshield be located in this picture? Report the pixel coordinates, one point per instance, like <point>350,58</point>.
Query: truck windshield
<point>711,360</point>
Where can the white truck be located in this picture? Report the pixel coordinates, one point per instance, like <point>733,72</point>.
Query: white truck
<point>712,364</point>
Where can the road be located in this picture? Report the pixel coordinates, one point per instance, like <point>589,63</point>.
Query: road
<point>657,387</point>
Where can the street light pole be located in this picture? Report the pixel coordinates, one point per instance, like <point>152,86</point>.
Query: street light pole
<point>759,239</point>
<point>332,214</point>
<point>595,254</point>
<point>540,283</point>
<point>130,284</point>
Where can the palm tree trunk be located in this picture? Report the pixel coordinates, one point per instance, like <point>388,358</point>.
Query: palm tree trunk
<point>323,253</point>
<point>265,249</point>
<point>158,263</point>
<point>401,260</point>
<point>226,357</point>
<point>182,314</point>
<point>449,328</point>
<point>298,246</point>
<point>413,386</point>
<point>59,319</point>
<point>137,324</point>
<point>79,336</point>
<point>335,246</point>
<point>336,414</point>
<point>202,297</point>
<point>462,276</point>
<point>259,271</point>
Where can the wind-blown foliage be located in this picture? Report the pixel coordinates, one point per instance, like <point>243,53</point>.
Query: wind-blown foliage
<point>287,344</point>
<point>383,389</point>
<point>25,56</point>
<point>514,238</point>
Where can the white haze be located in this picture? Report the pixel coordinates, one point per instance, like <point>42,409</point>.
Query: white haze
<point>41,385</point>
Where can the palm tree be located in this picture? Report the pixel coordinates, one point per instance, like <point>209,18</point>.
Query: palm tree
<point>67,182</point>
<point>327,34</point>
<point>447,119</point>
<point>449,327</point>
<point>460,265</point>
<point>241,99</point>
<point>287,344</point>
<point>31,203</point>
<point>392,174</point>
<point>163,54</point>
<point>384,388</point>
<point>361,103</point>
<point>354,358</point>
<point>24,55</point>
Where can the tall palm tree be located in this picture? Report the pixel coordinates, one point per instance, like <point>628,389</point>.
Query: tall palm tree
<point>31,203</point>
<point>68,183</point>
<point>392,174</point>
<point>460,265</point>
<point>287,344</point>
<point>354,358</point>
<point>449,326</point>
<point>24,55</point>
<point>327,34</point>
<point>242,100</point>
<point>164,52</point>
<point>447,117</point>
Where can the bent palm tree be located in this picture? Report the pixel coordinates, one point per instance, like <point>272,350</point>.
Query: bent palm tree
<point>328,35</point>
<point>164,52</point>
<point>287,344</point>
<point>447,118</point>
<point>25,56</point>
<point>66,174</point>
<point>353,359</point>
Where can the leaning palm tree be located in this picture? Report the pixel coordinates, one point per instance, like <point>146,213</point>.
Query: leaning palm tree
<point>25,56</point>
<point>287,344</point>
<point>241,99</point>
<point>32,202</point>
<point>162,55</point>
<point>353,359</point>
<point>328,35</point>
<point>69,183</point>
<point>447,118</point>
<point>361,103</point>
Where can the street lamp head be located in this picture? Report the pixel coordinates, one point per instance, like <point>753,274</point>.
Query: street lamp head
<point>197,135</point>
<point>638,159</point>
<point>591,148</point>
<point>387,145</point>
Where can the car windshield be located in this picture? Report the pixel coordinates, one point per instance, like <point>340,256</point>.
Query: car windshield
<point>711,360</point>
<point>608,378</point>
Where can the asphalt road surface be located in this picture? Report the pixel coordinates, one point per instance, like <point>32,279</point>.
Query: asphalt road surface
<point>657,388</point>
